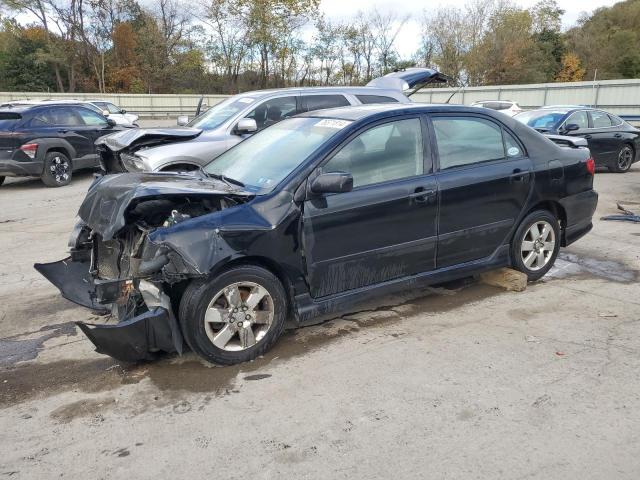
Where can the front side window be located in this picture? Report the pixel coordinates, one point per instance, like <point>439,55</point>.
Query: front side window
<point>265,159</point>
<point>91,118</point>
<point>320,102</point>
<point>386,152</point>
<point>273,111</point>
<point>579,118</point>
<point>468,140</point>
<point>600,119</point>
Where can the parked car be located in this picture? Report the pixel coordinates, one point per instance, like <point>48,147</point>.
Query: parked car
<point>50,140</point>
<point>237,118</point>
<point>119,115</point>
<point>505,106</point>
<point>313,216</point>
<point>613,142</point>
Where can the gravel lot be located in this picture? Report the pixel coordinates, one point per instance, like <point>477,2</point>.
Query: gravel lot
<point>463,382</point>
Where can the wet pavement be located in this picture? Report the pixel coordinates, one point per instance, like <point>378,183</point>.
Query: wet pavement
<point>458,381</point>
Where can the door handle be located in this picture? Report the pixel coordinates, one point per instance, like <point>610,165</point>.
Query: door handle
<point>588,136</point>
<point>422,195</point>
<point>519,176</point>
<point>618,135</point>
<point>63,130</point>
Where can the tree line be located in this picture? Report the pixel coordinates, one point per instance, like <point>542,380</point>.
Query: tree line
<point>227,46</point>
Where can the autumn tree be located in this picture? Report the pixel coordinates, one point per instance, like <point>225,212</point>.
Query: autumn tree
<point>571,70</point>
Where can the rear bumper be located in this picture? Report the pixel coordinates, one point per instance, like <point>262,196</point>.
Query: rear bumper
<point>129,340</point>
<point>579,209</point>
<point>13,168</point>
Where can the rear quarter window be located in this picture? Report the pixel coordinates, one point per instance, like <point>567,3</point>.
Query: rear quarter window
<point>367,99</point>
<point>320,102</point>
<point>9,120</point>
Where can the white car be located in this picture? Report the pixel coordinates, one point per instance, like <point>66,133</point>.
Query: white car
<point>119,115</point>
<point>505,106</point>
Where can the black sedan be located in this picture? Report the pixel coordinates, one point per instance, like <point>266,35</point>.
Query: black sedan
<point>312,217</point>
<point>613,142</point>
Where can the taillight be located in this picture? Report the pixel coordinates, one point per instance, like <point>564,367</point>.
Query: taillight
<point>591,166</point>
<point>30,149</point>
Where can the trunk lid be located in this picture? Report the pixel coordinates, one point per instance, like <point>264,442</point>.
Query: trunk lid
<point>409,80</point>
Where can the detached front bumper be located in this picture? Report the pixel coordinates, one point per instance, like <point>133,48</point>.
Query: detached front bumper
<point>132,339</point>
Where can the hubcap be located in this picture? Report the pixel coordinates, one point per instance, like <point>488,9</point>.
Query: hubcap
<point>59,169</point>
<point>538,245</point>
<point>625,158</point>
<point>239,316</point>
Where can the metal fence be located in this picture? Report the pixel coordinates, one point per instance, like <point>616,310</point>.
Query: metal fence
<point>621,97</point>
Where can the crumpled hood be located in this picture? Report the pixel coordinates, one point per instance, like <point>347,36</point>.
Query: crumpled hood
<point>146,136</point>
<point>109,197</point>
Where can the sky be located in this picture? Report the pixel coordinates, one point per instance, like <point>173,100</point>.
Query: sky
<point>407,39</point>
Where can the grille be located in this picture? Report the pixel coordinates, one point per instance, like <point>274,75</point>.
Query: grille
<point>106,256</point>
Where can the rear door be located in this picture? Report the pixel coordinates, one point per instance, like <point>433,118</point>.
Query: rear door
<point>604,139</point>
<point>385,228</point>
<point>62,121</point>
<point>484,178</point>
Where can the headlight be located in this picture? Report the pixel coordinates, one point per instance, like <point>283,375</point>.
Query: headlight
<point>133,163</point>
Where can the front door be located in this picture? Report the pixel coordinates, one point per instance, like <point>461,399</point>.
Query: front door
<point>386,227</point>
<point>484,179</point>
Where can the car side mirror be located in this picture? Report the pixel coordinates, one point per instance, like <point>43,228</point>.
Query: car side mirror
<point>572,127</point>
<point>122,110</point>
<point>111,122</point>
<point>105,113</point>
<point>334,182</point>
<point>183,120</point>
<point>246,125</point>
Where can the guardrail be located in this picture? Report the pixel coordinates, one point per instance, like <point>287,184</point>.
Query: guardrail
<point>621,97</point>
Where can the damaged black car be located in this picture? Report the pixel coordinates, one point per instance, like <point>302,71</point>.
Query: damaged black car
<point>314,217</point>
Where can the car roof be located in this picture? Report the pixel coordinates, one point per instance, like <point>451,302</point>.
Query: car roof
<point>302,90</point>
<point>360,112</point>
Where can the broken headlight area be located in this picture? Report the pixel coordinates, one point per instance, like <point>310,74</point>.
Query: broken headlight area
<point>128,278</point>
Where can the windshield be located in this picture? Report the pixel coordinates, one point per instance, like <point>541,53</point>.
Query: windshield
<point>265,159</point>
<point>220,113</point>
<point>541,119</point>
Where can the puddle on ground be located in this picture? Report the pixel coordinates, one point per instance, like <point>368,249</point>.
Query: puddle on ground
<point>569,264</point>
<point>26,346</point>
<point>173,375</point>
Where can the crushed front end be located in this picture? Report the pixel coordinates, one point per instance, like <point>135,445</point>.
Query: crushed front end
<point>119,268</point>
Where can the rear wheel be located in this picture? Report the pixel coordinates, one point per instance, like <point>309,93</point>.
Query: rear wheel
<point>234,317</point>
<point>536,244</point>
<point>624,160</point>
<point>57,170</point>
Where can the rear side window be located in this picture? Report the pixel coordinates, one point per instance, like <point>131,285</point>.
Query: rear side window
<point>9,120</point>
<point>600,119</point>
<point>366,99</point>
<point>469,140</point>
<point>57,116</point>
<point>320,102</point>
<point>615,121</point>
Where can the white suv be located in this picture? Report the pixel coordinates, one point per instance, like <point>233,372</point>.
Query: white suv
<point>505,106</point>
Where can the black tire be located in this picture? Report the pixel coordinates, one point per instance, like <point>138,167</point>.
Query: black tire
<point>624,160</point>
<point>57,170</point>
<point>195,302</point>
<point>520,259</point>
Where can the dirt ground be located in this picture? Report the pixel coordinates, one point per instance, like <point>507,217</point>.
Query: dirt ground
<point>463,382</point>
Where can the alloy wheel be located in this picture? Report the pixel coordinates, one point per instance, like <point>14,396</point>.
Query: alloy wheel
<point>239,316</point>
<point>625,158</point>
<point>538,245</point>
<point>59,169</point>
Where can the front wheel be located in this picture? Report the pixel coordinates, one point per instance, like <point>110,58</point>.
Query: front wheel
<point>57,170</point>
<point>234,317</point>
<point>536,244</point>
<point>624,160</point>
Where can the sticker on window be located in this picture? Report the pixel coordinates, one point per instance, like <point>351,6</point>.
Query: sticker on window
<point>513,152</point>
<point>245,100</point>
<point>332,123</point>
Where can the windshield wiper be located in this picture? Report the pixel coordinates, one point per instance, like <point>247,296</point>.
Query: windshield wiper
<point>227,180</point>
